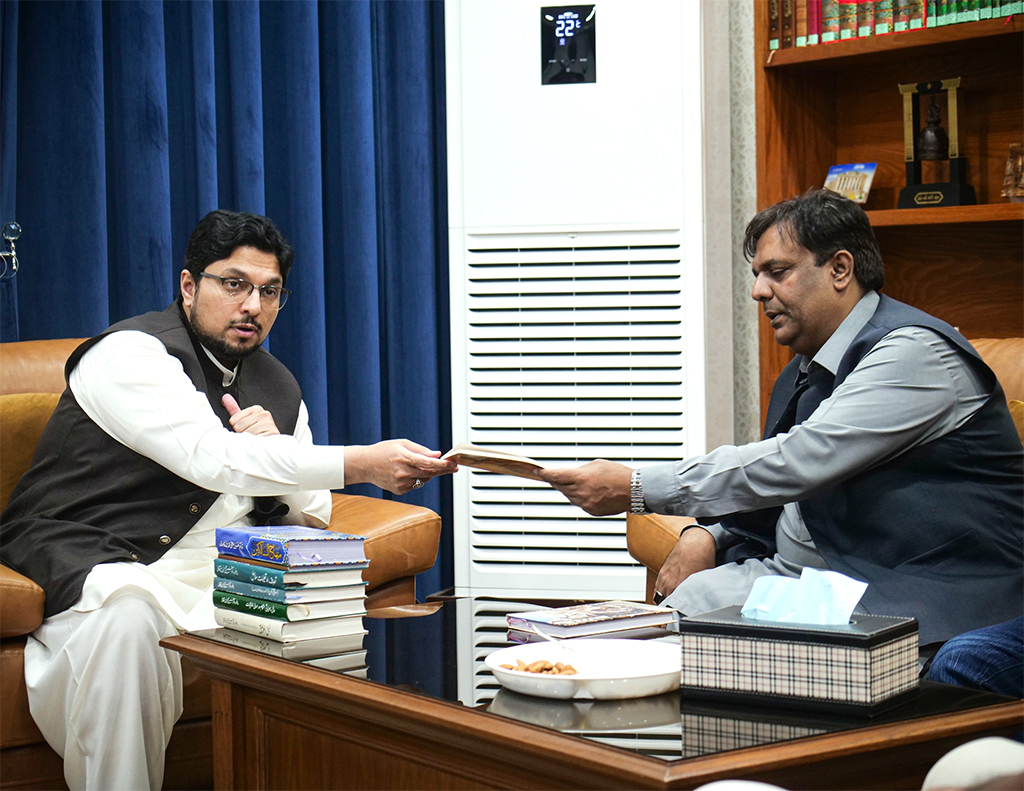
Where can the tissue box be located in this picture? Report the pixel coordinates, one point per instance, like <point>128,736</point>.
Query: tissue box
<point>864,667</point>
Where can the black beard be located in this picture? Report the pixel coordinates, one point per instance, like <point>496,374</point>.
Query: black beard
<point>227,354</point>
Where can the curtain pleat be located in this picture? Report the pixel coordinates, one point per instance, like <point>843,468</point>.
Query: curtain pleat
<point>135,120</point>
<point>123,123</point>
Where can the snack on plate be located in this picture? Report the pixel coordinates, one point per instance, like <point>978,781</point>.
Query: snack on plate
<point>542,666</point>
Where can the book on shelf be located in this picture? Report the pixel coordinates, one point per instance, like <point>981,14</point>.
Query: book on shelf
<point>800,22</point>
<point>468,455</point>
<point>297,651</point>
<point>341,663</point>
<point>290,546</point>
<point>290,596</point>
<point>931,13</point>
<point>847,19</point>
<point>520,636</point>
<point>883,17</point>
<point>786,39</point>
<point>915,15</point>
<point>865,18</point>
<point>829,21</point>
<point>900,15</point>
<point>593,618</point>
<point>985,9</point>
<point>259,573</point>
<point>289,612</point>
<point>774,24</point>
<point>288,631</point>
<point>813,22</point>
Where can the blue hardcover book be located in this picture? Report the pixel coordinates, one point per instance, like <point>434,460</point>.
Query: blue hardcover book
<point>268,576</point>
<point>293,596</point>
<point>290,547</point>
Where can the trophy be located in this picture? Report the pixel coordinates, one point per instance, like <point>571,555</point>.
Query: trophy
<point>933,143</point>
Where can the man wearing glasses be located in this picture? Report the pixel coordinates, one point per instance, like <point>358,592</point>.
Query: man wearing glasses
<point>174,423</point>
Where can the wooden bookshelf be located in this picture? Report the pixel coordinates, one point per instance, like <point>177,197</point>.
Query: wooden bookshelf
<point>839,103</point>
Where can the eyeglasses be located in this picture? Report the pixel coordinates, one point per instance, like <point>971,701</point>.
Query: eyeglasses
<point>235,289</point>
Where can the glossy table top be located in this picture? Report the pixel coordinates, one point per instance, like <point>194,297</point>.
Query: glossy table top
<point>438,649</point>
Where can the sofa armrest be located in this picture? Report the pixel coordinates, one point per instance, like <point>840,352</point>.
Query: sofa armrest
<point>21,603</point>
<point>401,539</point>
<point>649,539</point>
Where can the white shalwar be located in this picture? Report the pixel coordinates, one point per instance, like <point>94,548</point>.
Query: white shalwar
<point>101,690</point>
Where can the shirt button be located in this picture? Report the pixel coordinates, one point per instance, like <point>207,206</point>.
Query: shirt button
<point>195,508</point>
<point>165,540</point>
<point>135,556</point>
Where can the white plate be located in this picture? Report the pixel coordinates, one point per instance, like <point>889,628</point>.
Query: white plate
<point>607,669</point>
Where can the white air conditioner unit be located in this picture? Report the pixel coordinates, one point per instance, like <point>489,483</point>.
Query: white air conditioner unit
<point>590,268</point>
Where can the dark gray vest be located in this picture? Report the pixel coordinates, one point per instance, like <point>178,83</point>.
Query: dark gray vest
<point>87,499</point>
<point>937,532</point>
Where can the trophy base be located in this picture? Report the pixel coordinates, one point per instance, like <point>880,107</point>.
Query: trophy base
<point>944,193</point>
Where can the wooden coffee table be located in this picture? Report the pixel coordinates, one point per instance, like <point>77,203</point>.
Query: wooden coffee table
<point>283,725</point>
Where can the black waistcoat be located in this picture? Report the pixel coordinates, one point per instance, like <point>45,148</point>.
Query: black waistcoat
<point>88,499</point>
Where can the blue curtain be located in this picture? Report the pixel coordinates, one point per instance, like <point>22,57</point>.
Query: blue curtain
<point>123,123</point>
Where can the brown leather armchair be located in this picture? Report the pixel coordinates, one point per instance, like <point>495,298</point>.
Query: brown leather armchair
<point>401,541</point>
<point>650,537</point>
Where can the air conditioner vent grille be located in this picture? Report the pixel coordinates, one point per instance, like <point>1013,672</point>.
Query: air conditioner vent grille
<point>572,352</point>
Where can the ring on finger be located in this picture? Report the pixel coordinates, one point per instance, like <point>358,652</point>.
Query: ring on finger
<point>418,484</point>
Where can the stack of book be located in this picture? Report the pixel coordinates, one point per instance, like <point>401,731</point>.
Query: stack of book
<point>293,592</point>
<point>804,23</point>
<point>619,619</point>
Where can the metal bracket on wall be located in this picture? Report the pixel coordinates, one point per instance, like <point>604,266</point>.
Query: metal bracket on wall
<point>11,233</point>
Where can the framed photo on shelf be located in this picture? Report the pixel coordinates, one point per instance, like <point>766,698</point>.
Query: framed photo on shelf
<point>852,181</point>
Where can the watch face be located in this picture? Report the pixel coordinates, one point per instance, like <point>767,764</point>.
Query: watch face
<point>568,44</point>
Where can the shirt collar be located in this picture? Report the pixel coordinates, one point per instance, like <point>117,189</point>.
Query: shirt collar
<point>229,373</point>
<point>831,353</point>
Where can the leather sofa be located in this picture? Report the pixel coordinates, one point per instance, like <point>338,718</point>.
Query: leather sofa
<point>650,537</point>
<point>401,542</point>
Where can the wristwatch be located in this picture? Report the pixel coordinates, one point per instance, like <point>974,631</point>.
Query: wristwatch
<point>636,494</point>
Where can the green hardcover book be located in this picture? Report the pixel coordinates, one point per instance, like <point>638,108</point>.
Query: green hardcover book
<point>865,18</point>
<point>972,13</point>
<point>985,9</point>
<point>288,612</point>
<point>829,21</point>
<point>774,24</point>
<point>942,12</point>
<point>883,17</point>
<point>932,18</point>
<point>271,576</point>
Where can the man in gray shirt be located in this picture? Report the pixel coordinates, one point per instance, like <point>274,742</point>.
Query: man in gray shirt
<point>889,453</point>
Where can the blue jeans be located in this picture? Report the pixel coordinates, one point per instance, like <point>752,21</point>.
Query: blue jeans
<point>991,659</point>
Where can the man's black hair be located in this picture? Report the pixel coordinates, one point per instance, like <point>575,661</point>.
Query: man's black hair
<point>823,222</point>
<point>221,232</point>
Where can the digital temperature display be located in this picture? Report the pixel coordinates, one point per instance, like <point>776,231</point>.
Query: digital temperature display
<point>568,48</point>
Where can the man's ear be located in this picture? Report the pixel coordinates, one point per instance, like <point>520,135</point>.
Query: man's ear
<point>841,268</point>
<point>188,289</point>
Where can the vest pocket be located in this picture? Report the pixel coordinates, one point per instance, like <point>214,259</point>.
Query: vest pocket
<point>943,552</point>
